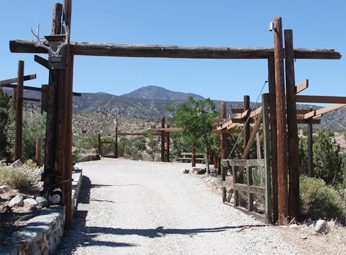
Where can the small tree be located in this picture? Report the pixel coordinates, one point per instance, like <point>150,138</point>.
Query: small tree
<point>4,116</point>
<point>197,119</point>
<point>328,164</point>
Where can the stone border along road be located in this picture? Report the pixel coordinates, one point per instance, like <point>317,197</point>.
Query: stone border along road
<point>137,207</point>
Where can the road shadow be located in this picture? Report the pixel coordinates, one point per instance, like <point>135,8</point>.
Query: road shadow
<point>81,235</point>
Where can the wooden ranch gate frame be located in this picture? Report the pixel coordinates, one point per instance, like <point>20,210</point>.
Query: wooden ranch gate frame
<point>58,163</point>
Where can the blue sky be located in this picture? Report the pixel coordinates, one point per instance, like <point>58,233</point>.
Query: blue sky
<point>315,24</point>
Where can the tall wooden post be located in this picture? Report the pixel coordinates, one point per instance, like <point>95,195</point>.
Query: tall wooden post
<point>246,125</point>
<point>38,156</point>
<point>273,139</point>
<point>310,172</point>
<point>168,144</point>
<point>163,140</point>
<point>292,129</point>
<point>281,122</point>
<point>51,174</point>
<point>223,136</point>
<point>18,149</point>
<point>116,142</point>
<point>193,156</point>
<point>99,144</point>
<point>267,148</point>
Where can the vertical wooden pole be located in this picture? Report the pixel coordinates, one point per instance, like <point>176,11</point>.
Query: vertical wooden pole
<point>18,149</point>
<point>310,172</point>
<point>267,148</point>
<point>168,143</point>
<point>51,174</point>
<point>193,157</point>
<point>116,142</point>
<point>223,136</point>
<point>273,139</point>
<point>68,115</point>
<point>163,140</point>
<point>246,125</point>
<point>258,146</point>
<point>292,129</point>
<point>281,123</point>
<point>38,155</point>
<point>99,144</point>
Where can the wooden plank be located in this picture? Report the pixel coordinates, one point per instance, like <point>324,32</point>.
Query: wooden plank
<point>252,137</point>
<point>323,110</point>
<point>280,123</point>
<point>252,189</point>
<point>267,148</point>
<point>18,148</point>
<point>3,83</point>
<point>42,61</point>
<point>302,86</point>
<point>168,144</point>
<point>292,129</point>
<point>246,134</point>
<point>171,51</point>
<point>321,99</point>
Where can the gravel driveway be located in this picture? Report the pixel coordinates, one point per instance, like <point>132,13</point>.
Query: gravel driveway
<point>136,207</point>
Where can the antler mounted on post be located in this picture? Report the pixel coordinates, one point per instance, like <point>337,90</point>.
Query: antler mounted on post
<point>56,45</point>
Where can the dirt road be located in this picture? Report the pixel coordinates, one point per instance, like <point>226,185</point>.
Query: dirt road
<point>134,207</point>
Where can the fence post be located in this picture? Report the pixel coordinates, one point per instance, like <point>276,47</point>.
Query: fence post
<point>38,156</point>
<point>267,147</point>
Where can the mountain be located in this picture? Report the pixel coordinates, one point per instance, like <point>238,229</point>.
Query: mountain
<point>159,93</point>
<point>153,106</point>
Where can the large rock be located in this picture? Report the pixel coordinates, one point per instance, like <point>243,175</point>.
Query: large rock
<point>4,189</point>
<point>30,202</point>
<point>17,163</point>
<point>41,201</point>
<point>321,226</point>
<point>16,201</point>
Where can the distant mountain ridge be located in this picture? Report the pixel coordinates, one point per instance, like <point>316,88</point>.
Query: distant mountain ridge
<point>154,106</point>
<point>159,93</point>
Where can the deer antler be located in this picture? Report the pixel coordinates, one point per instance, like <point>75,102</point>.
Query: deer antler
<point>67,38</point>
<point>39,43</point>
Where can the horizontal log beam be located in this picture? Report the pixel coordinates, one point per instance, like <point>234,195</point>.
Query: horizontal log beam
<point>171,51</point>
<point>14,80</point>
<point>321,99</point>
<point>13,86</point>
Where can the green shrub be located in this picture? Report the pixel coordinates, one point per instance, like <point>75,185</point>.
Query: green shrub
<point>319,200</point>
<point>76,156</point>
<point>32,129</point>
<point>24,179</point>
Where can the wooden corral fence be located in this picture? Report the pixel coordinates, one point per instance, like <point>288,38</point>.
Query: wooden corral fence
<point>60,65</point>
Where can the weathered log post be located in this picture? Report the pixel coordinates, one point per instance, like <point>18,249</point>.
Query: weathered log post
<point>116,141</point>
<point>163,140</point>
<point>273,139</point>
<point>292,129</point>
<point>168,144</point>
<point>38,156</point>
<point>193,156</point>
<point>18,149</point>
<point>99,144</point>
<point>280,123</point>
<point>310,172</point>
